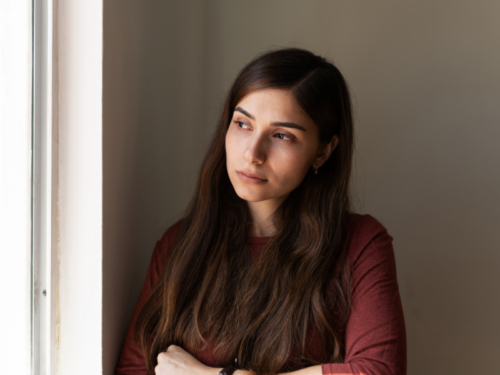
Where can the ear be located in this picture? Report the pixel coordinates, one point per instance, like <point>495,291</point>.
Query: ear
<point>325,152</point>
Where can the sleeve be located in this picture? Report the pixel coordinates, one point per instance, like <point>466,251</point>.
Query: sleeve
<point>375,337</point>
<point>131,360</point>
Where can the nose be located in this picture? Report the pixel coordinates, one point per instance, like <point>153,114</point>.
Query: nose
<point>255,151</point>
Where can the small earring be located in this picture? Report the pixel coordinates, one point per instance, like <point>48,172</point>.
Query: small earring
<point>316,170</point>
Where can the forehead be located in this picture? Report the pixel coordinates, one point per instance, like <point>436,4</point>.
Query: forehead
<point>269,105</point>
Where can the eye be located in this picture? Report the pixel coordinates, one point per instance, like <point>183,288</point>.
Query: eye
<point>281,136</point>
<point>284,137</point>
<point>240,123</point>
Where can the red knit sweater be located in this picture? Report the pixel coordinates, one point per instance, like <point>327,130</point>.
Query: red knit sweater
<point>375,337</point>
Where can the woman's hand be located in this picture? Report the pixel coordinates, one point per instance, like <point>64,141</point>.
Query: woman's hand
<point>176,361</point>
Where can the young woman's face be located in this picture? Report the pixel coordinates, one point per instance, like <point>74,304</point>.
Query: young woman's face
<point>270,137</point>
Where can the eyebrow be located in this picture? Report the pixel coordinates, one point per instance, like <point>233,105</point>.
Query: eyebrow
<point>292,125</point>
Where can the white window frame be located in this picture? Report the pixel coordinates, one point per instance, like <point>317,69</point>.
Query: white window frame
<point>45,183</point>
<point>67,214</point>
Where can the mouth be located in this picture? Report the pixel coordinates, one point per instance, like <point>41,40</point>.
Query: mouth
<point>251,178</point>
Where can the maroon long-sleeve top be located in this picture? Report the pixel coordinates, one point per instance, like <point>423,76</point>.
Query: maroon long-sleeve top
<point>375,336</point>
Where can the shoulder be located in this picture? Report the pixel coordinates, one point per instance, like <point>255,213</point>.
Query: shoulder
<point>366,236</point>
<point>364,226</point>
<point>170,236</point>
<point>165,243</point>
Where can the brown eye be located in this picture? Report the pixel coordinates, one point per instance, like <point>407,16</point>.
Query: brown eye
<point>240,123</point>
<point>284,137</point>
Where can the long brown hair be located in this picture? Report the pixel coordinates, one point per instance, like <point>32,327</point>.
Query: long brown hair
<point>261,313</point>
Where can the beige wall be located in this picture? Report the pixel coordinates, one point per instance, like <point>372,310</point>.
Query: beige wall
<point>155,132</point>
<point>426,83</point>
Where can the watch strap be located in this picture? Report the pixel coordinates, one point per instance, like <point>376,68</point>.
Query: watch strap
<point>227,370</point>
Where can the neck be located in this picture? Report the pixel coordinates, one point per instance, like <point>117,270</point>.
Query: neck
<point>262,217</point>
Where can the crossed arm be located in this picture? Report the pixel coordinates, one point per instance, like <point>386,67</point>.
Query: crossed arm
<point>176,360</point>
<point>375,337</point>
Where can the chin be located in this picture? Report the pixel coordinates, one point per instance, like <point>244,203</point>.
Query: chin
<point>250,196</point>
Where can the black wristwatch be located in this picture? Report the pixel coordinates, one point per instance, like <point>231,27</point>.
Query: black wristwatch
<point>227,370</point>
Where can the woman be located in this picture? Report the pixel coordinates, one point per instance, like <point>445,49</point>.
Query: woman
<point>269,272</point>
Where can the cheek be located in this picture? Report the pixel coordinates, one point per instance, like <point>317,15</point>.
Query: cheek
<point>231,147</point>
<point>292,167</point>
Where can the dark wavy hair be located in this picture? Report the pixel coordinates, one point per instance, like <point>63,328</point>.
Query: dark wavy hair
<point>263,313</point>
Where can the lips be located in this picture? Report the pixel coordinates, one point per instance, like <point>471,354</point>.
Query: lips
<point>249,178</point>
<point>252,175</point>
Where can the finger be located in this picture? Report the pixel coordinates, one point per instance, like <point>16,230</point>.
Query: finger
<point>161,357</point>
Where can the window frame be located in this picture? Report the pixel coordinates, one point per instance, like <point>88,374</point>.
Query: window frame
<point>67,187</point>
<point>45,168</point>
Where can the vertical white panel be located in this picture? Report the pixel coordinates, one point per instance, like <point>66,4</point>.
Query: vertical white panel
<point>44,190</point>
<point>15,185</point>
<point>80,187</point>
